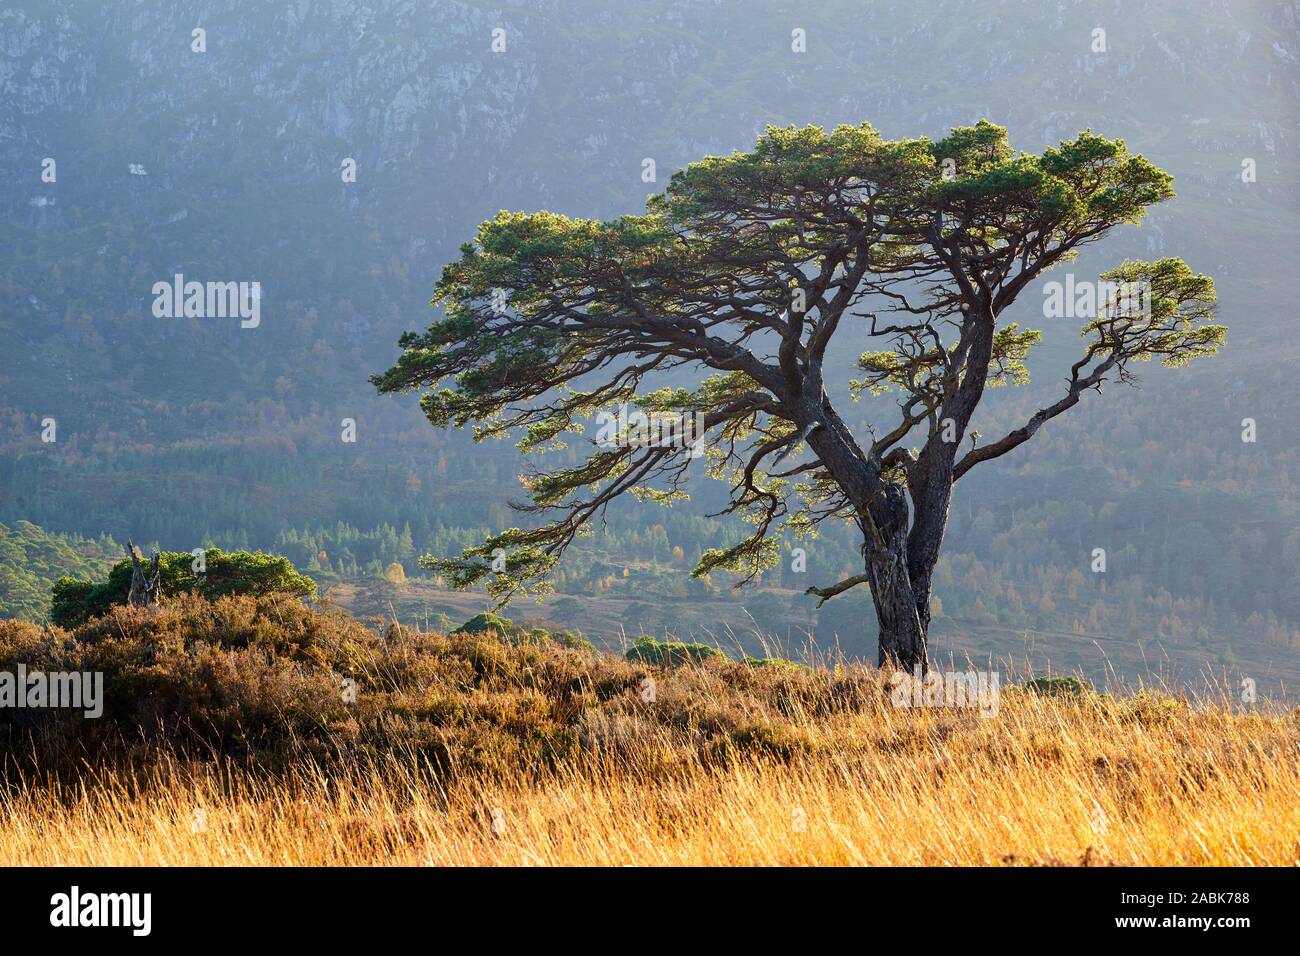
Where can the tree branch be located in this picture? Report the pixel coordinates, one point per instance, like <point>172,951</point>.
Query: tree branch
<point>847,584</point>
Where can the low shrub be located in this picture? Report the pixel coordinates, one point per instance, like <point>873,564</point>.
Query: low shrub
<point>774,662</point>
<point>1054,686</point>
<point>512,633</point>
<point>76,601</point>
<point>647,650</point>
<point>487,621</point>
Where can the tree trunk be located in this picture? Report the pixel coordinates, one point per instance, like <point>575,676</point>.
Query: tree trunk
<point>144,591</point>
<point>902,628</point>
<point>903,638</point>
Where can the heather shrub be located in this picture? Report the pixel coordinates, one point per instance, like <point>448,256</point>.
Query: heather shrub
<point>267,680</point>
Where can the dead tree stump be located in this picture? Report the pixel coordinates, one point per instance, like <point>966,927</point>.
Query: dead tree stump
<point>145,590</point>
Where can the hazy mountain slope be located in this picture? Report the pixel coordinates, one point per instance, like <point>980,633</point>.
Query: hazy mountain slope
<point>32,559</point>
<point>176,428</point>
<point>241,148</point>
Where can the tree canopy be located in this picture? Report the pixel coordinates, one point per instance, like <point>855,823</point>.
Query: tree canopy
<point>746,266</point>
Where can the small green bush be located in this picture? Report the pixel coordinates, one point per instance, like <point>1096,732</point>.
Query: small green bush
<point>774,662</point>
<point>646,650</point>
<point>487,621</point>
<point>515,634</point>
<point>240,572</point>
<point>1055,686</point>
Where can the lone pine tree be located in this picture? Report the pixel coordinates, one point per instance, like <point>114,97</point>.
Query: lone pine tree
<point>748,265</point>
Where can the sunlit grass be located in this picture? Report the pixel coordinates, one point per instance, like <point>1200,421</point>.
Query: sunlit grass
<point>1095,780</point>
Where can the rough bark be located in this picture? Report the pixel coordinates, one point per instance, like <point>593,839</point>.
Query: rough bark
<point>903,638</point>
<point>903,630</point>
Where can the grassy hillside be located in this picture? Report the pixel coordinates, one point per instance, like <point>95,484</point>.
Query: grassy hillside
<point>230,735</point>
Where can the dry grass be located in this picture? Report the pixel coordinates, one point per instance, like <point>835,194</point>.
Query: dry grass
<point>1044,782</point>
<point>224,746</point>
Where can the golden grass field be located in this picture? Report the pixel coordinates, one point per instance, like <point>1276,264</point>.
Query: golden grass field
<point>225,741</point>
<point>1046,781</point>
